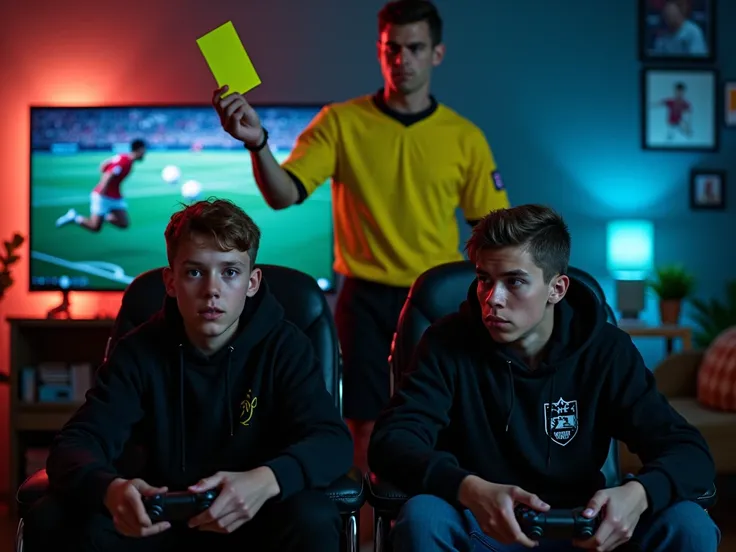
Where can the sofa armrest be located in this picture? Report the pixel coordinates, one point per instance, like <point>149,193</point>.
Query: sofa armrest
<point>348,492</point>
<point>677,375</point>
<point>385,497</point>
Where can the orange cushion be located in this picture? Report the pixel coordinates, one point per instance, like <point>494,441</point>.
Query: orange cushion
<point>717,373</point>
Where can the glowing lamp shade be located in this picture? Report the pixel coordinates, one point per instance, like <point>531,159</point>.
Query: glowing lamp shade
<point>630,248</point>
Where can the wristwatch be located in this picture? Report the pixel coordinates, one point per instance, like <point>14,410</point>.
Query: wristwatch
<point>260,146</point>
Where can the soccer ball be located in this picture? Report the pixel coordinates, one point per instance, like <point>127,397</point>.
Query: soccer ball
<point>171,174</point>
<point>191,190</point>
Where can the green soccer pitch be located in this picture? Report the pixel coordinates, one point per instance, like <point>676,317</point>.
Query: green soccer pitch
<point>299,237</point>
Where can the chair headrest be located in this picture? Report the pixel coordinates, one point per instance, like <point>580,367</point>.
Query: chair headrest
<point>298,293</point>
<point>441,289</point>
<point>143,297</point>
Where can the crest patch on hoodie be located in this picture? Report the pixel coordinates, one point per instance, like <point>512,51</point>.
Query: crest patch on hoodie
<point>561,421</point>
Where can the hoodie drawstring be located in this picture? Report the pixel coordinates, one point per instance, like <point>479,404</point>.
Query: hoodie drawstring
<point>230,350</point>
<point>181,409</point>
<point>549,430</point>
<point>513,396</point>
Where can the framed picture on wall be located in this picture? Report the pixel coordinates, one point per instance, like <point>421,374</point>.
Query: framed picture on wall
<point>677,30</point>
<point>707,189</point>
<point>679,109</point>
<point>729,98</point>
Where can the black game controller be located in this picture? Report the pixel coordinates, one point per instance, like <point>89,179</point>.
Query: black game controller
<point>560,524</point>
<point>180,506</point>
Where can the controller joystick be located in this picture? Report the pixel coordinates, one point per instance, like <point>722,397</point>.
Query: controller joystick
<point>561,524</point>
<point>179,506</point>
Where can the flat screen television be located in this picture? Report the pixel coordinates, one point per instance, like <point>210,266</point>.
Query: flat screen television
<point>188,157</point>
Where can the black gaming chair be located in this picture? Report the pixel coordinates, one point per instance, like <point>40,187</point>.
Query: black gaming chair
<point>304,305</point>
<point>437,293</point>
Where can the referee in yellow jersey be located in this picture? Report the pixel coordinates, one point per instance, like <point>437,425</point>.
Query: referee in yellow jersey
<point>400,164</point>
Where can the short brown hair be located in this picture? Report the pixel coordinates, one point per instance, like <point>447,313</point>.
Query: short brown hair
<point>536,227</point>
<point>223,221</point>
<point>405,12</point>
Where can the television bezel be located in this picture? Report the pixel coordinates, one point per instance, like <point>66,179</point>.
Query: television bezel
<point>257,105</point>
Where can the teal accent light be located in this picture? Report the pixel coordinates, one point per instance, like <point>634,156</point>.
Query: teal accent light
<point>630,249</point>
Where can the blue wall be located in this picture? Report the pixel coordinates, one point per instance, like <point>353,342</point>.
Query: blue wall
<point>556,89</point>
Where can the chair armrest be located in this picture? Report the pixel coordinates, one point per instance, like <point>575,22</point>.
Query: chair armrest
<point>31,490</point>
<point>708,499</point>
<point>348,492</point>
<point>677,375</point>
<point>385,497</point>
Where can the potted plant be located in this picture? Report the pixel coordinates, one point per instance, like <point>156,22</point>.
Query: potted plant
<point>672,284</point>
<point>8,258</point>
<point>714,317</point>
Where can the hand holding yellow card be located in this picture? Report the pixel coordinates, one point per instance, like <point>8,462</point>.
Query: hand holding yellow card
<point>228,60</point>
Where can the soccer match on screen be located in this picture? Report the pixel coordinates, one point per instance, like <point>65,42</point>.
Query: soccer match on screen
<point>147,162</point>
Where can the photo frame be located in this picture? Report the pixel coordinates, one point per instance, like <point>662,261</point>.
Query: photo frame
<point>707,189</point>
<point>729,104</point>
<point>679,109</point>
<point>677,30</point>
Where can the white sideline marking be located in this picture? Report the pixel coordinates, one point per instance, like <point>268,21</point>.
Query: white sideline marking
<point>95,268</point>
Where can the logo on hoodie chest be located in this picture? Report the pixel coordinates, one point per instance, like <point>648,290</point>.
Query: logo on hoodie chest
<point>561,421</point>
<point>247,407</point>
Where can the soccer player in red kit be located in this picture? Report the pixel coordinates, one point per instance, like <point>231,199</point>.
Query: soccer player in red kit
<point>106,202</point>
<point>677,107</point>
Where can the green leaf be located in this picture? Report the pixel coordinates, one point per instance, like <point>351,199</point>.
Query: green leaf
<point>672,282</point>
<point>713,317</point>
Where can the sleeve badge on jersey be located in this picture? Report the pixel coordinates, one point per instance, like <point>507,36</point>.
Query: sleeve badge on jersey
<point>497,180</point>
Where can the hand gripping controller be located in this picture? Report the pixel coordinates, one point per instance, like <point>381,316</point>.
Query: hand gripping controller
<point>180,506</point>
<point>561,524</point>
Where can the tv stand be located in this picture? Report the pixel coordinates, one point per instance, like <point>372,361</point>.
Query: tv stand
<point>62,310</point>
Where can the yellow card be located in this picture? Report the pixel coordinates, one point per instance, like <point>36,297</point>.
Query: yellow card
<point>228,60</point>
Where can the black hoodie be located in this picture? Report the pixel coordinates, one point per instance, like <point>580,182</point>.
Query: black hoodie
<point>260,401</point>
<point>472,406</point>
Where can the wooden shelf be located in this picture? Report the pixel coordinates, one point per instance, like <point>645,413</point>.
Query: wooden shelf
<point>669,332</point>
<point>48,408</point>
<point>37,341</point>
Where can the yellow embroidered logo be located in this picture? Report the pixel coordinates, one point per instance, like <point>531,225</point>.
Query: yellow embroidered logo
<point>247,406</point>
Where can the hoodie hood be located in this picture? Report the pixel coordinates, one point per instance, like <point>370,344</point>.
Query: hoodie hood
<point>260,315</point>
<point>578,319</point>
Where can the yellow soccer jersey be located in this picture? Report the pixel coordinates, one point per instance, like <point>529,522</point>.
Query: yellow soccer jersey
<point>396,184</point>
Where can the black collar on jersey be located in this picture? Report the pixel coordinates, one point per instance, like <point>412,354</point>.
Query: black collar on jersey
<point>406,119</point>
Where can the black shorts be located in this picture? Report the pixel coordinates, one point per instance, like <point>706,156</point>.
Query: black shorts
<point>366,316</point>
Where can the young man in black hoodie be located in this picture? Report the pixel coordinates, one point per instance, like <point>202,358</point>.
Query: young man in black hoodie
<point>514,400</point>
<point>218,391</point>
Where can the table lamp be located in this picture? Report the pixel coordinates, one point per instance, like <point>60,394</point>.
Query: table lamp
<point>630,258</point>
